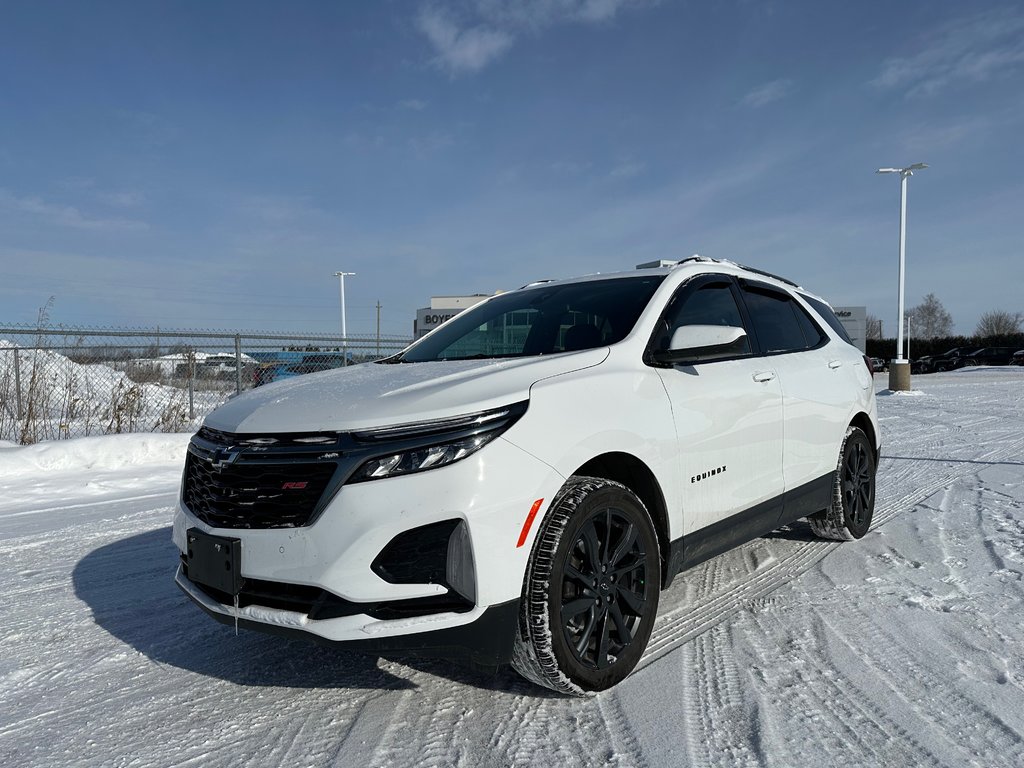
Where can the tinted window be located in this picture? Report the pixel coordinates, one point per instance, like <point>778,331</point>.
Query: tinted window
<point>813,335</point>
<point>711,304</point>
<point>828,316</point>
<point>776,321</point>
<point>539,321</point>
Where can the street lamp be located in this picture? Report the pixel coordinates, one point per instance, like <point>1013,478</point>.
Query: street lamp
<point>899,369</point>
<point>344,331</point>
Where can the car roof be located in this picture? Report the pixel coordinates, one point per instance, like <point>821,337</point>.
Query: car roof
<point>694,264</point>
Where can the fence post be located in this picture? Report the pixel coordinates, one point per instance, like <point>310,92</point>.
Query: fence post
<point>238,362</point>
<point>17,384</point>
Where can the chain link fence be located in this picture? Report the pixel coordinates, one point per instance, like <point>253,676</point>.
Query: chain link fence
<point>58,383</point>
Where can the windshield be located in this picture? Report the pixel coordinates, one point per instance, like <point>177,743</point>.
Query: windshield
<point>540,321</point>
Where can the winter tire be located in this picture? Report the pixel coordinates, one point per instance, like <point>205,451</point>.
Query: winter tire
<point>591,590</point>
<point>853,491</point>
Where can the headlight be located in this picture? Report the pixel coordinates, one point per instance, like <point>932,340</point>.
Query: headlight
<point>432,444</point>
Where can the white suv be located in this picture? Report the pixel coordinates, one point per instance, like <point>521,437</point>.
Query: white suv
<point>520,484</point>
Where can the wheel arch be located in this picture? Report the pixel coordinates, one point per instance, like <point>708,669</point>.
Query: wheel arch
<point>633,473</point>
<point>863,422</point>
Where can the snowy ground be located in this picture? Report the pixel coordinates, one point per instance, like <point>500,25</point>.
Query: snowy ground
<point>905,648</point>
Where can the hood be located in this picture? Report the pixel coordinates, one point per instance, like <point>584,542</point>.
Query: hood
<point>375,394</point>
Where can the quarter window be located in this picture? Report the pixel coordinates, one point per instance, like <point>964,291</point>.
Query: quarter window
<point>828,316</point>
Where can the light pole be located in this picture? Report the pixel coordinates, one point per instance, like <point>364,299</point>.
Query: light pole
<point>899,369</point>
<point>344,330</point>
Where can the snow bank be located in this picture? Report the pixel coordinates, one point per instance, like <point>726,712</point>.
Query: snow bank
<point>106,452</point>
<point>61,398</point>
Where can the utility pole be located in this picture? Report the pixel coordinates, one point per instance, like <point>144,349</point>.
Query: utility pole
<point>378,327</point>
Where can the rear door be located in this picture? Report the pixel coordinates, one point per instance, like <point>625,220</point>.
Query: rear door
<point>819,382</point>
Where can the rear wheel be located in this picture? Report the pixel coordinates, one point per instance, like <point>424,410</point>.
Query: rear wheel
<point>591,591</point>
<point>853,491</point>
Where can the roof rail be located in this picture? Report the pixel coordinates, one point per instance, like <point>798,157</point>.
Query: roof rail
<point>768,274</point>
<point>537,282</point>
<point>707,259</point>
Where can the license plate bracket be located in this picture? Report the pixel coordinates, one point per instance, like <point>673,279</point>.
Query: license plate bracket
<point>214,561</point>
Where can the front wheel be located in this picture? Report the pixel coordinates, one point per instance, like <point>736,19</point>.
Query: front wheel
<point>591,590</point>
<point>853,491</point>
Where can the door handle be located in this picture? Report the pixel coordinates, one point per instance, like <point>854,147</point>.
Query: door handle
<point>763,376</point>
<point>833,364</point>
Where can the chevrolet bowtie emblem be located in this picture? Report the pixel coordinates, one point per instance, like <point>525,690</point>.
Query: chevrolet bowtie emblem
<point>222,458</point>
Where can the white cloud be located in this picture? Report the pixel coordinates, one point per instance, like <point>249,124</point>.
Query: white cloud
<point>120,199</point>
<point>627,170</point>
<point>414,105</point>
<point>467,36</point>
<point>767,93</point>
<point>539,14</point>
<point>968,50</point>
<point>64,215</point>
<point>462,50</point>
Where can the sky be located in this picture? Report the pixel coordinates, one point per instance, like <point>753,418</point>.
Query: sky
<point>205,165</point>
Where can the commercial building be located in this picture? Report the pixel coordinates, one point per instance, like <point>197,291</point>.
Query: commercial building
<point>442,308</point>
<point>855,321</point>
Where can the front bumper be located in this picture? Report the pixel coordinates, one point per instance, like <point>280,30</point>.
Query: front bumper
<point>490,493</point>
<point>484,643</point>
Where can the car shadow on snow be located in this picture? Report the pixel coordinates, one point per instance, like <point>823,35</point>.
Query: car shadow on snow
<point>129,585</point>
<point>799,530</point>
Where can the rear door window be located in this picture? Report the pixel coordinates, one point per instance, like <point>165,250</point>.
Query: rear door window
<point>780,323</point>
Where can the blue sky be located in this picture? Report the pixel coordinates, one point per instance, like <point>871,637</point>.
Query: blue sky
<point>211,165</point>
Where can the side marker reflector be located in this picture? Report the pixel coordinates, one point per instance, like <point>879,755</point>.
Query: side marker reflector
<point>529,521</point>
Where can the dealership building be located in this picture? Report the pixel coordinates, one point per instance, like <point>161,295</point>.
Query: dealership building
<point>442,308</point>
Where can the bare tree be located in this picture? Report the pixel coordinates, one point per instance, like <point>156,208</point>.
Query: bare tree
<point>930,319</point>
<point>874,327</point>
<point>999,322</point>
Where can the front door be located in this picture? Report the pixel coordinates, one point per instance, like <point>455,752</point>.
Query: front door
<point>728,417</point>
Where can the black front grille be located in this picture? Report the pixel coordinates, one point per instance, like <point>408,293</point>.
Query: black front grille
<point>231,484</point>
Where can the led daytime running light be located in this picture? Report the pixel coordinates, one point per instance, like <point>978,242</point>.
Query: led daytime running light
<point>419,459</point>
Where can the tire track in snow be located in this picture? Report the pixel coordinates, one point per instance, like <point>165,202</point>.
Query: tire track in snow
<point>421,730</point>
<point>828,712</point>
<point>626,749</point>
<point>996,742</point>
<point>689,618</point>
<point>715,709</point>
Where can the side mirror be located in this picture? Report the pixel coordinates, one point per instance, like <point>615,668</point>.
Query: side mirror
<point>703,343</point>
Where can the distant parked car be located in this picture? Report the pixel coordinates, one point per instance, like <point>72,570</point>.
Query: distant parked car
<point>277,371</point>
<point>216,364</point>
<point>947,361</point>
<point>1018,358</point>
<point>987,356</point>
<point>878,365</point>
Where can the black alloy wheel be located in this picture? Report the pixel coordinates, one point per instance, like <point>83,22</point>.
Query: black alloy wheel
<point>853,491</point>
<point>591,590</point>
<point>603,588</point>
<point>858,485</point>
